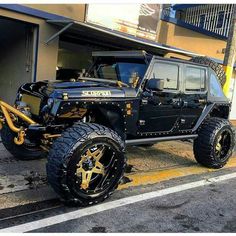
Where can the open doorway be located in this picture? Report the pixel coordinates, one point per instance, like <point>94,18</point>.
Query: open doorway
<point>17,59</point>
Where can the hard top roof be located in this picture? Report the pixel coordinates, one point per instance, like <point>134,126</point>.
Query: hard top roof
<point>179,61</point>
<point>140,54</point>
<point>126,54</point>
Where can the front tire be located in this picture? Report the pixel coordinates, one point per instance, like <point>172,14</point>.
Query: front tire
<point>20,152</point>
<point>214,144</point>
<point>86,164</point>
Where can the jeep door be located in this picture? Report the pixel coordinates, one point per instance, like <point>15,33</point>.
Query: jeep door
<point>160,110</point>
<point>194,95</point>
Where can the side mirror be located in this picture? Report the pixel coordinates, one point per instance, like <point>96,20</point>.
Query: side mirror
<point>155,84</point>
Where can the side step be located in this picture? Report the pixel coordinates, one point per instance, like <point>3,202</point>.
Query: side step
<point>132,142</point>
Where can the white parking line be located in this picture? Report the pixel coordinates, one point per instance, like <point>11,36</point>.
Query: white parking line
<point>111,205</point>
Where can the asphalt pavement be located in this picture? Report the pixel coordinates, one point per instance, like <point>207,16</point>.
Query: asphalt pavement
<point>208,207</point>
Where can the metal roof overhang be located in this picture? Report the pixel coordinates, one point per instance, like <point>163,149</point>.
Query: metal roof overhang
<point>111,38</point>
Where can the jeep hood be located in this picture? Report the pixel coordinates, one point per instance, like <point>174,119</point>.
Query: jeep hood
<point>75,90</point>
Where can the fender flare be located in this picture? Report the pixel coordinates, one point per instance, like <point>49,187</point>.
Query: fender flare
<point>204,114</point>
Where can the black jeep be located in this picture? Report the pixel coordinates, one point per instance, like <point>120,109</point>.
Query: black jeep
<point>125,98</point>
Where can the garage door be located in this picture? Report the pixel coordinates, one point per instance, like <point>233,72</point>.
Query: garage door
<point>17,60</point>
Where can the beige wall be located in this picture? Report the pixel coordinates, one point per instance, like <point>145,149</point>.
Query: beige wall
<point>47,54</point>
<point>73,11</point>
<point>183,38</point>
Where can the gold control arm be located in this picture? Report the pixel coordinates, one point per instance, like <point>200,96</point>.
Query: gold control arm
<point>6,108</point>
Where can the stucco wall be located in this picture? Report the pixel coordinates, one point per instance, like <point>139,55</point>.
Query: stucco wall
<point>73,11</point>
<point>183,38</point>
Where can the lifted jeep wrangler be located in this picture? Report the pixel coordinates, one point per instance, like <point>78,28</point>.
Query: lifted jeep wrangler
<point>125,98</point>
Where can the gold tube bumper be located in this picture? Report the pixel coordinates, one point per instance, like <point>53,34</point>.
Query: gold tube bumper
<point>6,110</point>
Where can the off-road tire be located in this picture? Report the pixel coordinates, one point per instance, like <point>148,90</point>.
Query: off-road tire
<point>217,68</point>
<point>21,152</point>
<point>204,146</point>
<point>66,151</point>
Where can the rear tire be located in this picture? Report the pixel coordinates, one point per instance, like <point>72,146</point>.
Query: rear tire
<point>215,143</point>
<point>217,68</point>
<point>21,152</point>
<point>70,152</point>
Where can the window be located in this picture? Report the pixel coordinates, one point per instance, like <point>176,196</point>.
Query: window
<point>168,72</point>
<point>195,79</point>
<point>220,20</point>
<point>202,20</point>
<point>128,71</point>
<point>215,87</point>
<point>125,72</point>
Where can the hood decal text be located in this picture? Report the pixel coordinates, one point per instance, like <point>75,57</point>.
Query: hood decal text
<point>96,93</point>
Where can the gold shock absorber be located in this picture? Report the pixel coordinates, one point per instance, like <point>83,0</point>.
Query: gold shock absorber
<point>6,108</point>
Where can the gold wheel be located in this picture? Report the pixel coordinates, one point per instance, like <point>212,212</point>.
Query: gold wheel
<point>223,144</point>
<point>86,164</point>
<point>90,164</point>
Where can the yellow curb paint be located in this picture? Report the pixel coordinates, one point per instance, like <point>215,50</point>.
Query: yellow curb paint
<point>153,177</point>
<point>228,72</point>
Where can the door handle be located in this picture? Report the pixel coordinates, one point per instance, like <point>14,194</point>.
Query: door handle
<point>176,102</point>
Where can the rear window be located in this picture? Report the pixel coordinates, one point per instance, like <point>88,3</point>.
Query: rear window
<point>195,79</point>
<point>215,87</point>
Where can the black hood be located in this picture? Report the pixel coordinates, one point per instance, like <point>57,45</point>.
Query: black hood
<point>76,89</point>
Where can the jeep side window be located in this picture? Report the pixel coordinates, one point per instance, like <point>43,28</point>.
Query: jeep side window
<point>195,79</point>
<point>215,87</point>
<point>168,72</point>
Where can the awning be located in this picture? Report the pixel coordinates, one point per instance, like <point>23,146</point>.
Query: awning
<point>112,38</point>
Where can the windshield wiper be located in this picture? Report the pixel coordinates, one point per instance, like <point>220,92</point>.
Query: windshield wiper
<point>117,82</point>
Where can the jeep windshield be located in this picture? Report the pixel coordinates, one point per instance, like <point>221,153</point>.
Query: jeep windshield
<point>128,71</point>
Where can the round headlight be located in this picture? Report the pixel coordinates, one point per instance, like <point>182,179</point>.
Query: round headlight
<point>18,96</point>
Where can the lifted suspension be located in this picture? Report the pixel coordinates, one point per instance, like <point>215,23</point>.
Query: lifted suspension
<point>6,111</point>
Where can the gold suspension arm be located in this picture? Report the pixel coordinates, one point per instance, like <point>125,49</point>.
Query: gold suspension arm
<point>6,108</point>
